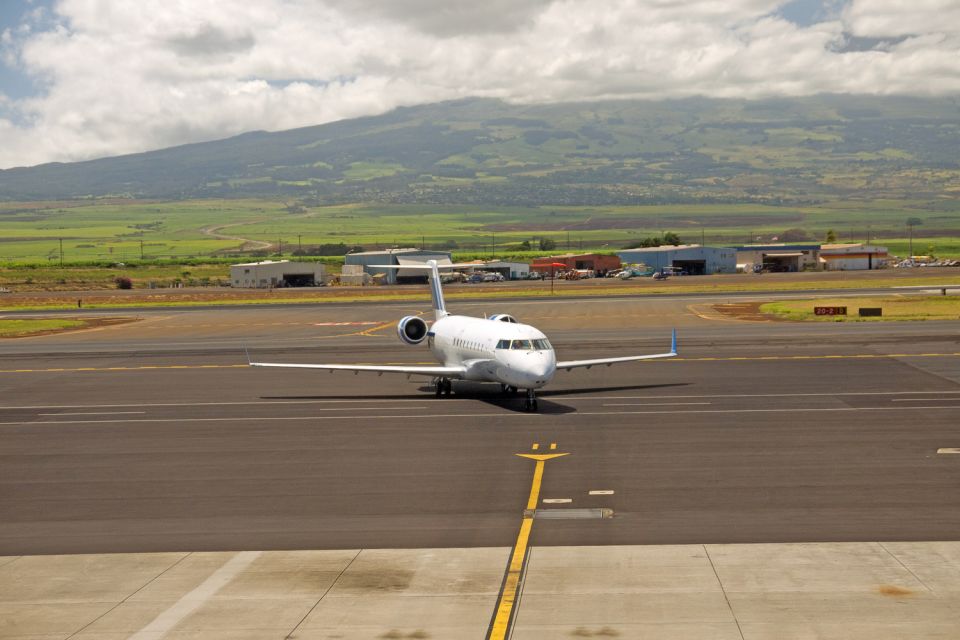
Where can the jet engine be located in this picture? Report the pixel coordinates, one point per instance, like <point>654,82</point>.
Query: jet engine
<point>503,317</point>
<point>412,329</point>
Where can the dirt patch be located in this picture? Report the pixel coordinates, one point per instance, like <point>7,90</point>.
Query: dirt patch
<point>894,591</point>
<point>747,311</point>
<point>88,323</point>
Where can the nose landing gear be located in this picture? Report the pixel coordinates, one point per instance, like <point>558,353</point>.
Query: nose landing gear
<point>531,401</point>
<point>443,387</point>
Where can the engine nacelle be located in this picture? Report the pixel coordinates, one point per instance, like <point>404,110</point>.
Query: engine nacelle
<point>503,317</point>
<point>412,329</point>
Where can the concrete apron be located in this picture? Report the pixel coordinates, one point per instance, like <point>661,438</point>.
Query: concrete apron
<point>848,591</point>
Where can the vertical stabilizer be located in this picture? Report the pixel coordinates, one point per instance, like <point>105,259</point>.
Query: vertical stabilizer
<point>436,293</point>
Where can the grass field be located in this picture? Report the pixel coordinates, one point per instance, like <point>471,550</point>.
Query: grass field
<point>21,328</point>
<point>124,231</point>
<point>894,308</point>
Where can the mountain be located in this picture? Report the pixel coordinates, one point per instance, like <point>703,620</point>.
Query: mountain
<point>487,152</point>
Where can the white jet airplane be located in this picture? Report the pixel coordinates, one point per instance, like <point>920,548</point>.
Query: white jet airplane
<point>495,349</point>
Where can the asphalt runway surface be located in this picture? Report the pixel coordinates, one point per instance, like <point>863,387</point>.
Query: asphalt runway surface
<point>156,436</point>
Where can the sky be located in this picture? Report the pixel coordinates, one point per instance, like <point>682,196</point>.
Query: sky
<point>82,79</point>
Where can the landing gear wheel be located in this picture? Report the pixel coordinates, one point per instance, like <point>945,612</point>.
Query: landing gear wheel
<point>444,387</point>
<point>531,401</point>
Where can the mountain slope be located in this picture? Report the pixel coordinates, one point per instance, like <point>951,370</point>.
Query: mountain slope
<point>487,152</point>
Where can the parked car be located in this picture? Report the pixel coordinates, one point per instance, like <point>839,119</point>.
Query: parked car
<point>493,277</point>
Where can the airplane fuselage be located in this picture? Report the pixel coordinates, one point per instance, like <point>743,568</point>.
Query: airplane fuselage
<point>513,354</point>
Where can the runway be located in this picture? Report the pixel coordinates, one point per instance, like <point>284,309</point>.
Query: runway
<point>155,436</point>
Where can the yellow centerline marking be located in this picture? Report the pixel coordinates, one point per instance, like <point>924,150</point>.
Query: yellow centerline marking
<point>505,612</point>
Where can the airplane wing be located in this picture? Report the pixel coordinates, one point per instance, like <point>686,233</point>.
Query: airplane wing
<point>574,364</point>
<point>435,371</point>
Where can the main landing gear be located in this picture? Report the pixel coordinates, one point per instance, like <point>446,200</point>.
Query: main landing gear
<point>531,403</point>
<point>444,387</point>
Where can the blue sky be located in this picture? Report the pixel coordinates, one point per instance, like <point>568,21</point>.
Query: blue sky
<point>14,82</point>
<point>107,77</point>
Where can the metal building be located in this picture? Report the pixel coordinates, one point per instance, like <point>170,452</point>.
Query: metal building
<point>693,259</point>
<point>852,257</point>
<point>778,257</point>
<point>282,273</point>
<point>509,270</point>
<point>397,257</point>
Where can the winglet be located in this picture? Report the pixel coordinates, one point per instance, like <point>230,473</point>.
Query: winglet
<point>673,342</point>
<point>247,352</point>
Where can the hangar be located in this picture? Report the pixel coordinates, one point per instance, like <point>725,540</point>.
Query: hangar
<point>280,273</point>
<point>778,257</point>
<point>694,259</point>
<point>398,257</point>
<point>854,256</point>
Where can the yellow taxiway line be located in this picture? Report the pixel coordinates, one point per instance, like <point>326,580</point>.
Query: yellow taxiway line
<point>504,614</point>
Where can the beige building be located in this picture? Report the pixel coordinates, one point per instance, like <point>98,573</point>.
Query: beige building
<point>852,257</point>
<point>282,273</point>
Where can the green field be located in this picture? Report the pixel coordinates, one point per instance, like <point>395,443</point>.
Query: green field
<point>894,308</point>
<point>20,328</point>
<point>127,231</point>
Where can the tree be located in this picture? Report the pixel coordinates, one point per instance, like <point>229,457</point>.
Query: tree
<point>547,244</point>
<point>525,245</point>
<point>911,223</point>
<point>831,236</point>
<point>671,238</point>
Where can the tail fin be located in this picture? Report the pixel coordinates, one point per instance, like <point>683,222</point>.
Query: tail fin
<point>673,342</point>
<point>436,293</point>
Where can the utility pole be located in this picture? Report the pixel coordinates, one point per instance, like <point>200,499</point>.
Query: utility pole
<point>299,243</point>
<point>280,246</point>
<point>61,253</point>
<point>141,249</point>
<point>493,246</point>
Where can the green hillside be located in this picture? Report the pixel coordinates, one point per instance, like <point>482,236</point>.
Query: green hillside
<point>796,152</point>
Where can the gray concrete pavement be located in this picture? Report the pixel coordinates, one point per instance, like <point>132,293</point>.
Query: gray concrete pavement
<point>752,592</point>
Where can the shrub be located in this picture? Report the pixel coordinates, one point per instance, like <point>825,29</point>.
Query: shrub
<point>123,282</point>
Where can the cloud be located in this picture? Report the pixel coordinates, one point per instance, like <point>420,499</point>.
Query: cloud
<point>116,82</point>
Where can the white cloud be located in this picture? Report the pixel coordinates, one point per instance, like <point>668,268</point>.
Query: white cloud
<point>122,77</point>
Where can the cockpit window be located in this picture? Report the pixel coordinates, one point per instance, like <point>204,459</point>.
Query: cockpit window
<point>525,345</point>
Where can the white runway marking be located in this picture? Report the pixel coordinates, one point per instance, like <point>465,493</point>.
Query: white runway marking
<point>93,413</point>
<point>557,500</point>
<point>572,397</point>
<point>923,399</point>
<point>602,492</point>
<point>653,404</point>
<point>948,450</point>
<point>503,415</point>
<point>192,601</point>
